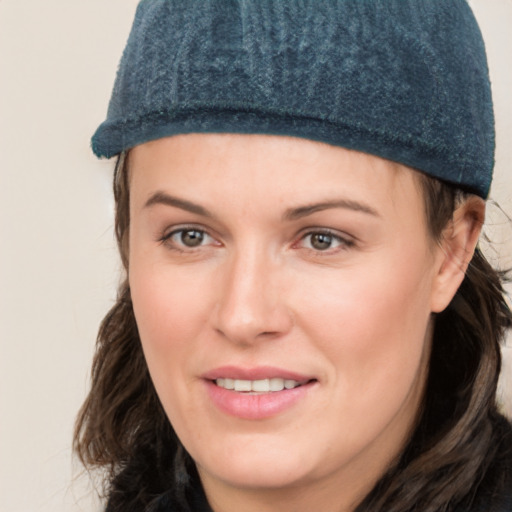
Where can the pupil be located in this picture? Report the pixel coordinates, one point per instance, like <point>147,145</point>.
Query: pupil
<point>321,241</point>
<point>192,238</point>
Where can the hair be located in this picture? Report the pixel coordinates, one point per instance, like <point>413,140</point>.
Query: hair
<point>453,454</point>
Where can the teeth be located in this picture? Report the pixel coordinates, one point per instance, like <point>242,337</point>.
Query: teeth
<point>243,385</point>
<point>262,386</point>
<point>257,386</point>
<point>276,384</point>
<point>289,384</point>
<point>226,383</point>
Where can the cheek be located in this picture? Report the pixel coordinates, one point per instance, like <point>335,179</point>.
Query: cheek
<point>371,324</point>
<point>161,310</point>
<point>380,296</point>
<point>171,310</point>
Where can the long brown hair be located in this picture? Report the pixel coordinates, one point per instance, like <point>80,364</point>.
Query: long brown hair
<point>123,428</point>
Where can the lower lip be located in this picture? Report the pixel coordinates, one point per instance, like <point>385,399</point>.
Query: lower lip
<point>255,406</point>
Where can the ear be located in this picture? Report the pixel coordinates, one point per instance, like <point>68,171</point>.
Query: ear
<point>455,251</point>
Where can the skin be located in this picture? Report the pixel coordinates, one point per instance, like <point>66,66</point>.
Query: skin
<point>258,291</point>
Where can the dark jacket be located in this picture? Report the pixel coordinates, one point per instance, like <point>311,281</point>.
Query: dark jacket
<point>199,504</point>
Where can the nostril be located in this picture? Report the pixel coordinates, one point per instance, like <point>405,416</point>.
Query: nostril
<point>268,334</point>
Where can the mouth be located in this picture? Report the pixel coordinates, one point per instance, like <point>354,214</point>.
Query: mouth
<point>257,393</point>
<point>271,385</point>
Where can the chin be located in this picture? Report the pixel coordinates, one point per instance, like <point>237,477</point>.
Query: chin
<point>265,465</point>
<point>257,473</point>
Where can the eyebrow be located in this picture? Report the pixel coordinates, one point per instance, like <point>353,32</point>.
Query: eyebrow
<point>304,211</point>
<point>168,200</point>
<point>290,214</point>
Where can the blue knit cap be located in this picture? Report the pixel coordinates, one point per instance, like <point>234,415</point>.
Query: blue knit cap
<point>406,80</point>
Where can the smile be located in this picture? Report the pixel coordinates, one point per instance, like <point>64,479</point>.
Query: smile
<point>257,386</point>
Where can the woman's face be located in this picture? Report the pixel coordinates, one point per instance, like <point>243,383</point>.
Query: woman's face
<point>302,275</point>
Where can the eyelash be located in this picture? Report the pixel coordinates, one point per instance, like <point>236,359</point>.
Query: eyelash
<point>344,243</point>
<point>167,238</point>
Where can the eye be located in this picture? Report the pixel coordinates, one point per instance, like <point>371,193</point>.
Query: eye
<point>191,237</point>
<point>187,238</point>
<point>324,241</point>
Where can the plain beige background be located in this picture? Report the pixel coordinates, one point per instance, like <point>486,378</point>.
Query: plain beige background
<point>58,265</point>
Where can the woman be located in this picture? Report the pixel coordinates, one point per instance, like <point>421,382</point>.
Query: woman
<point>306,320</point>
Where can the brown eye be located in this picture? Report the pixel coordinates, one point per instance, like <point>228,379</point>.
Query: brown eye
<point>191,237</point>
<point>321,241</point>
<point>187,238</point>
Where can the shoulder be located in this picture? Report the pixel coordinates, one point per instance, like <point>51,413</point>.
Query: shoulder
<point>494,494</point>
<point>195,501</point>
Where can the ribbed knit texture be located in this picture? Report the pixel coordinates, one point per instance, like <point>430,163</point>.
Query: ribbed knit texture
<point>403,79</point>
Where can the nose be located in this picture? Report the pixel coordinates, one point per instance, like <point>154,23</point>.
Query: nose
<point>252,303</point>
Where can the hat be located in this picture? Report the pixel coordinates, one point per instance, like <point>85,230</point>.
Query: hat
<point>406,80</point>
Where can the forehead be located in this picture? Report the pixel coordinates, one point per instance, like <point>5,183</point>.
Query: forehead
<point>270,171</point>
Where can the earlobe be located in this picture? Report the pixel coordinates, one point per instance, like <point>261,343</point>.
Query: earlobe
<point>455,251</point>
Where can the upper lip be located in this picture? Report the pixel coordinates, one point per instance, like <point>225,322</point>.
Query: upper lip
<point>256,373</point>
